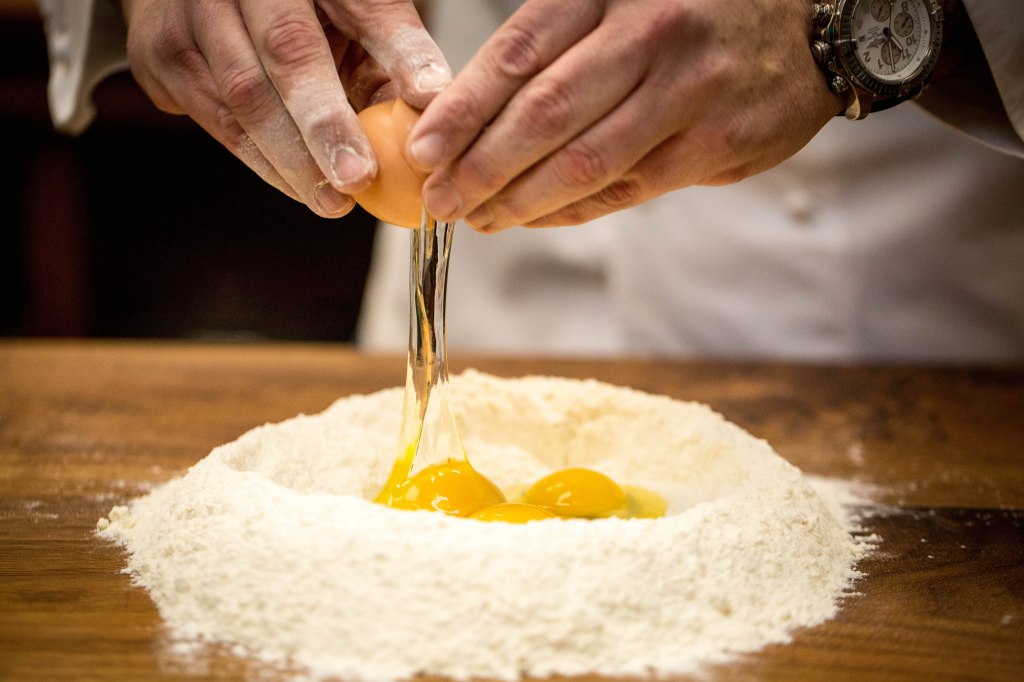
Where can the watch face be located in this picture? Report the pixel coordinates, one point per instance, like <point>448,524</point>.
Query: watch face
<point>892,38</point>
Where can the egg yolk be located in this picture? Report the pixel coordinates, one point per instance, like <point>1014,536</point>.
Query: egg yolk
<point>394,196</point>
<point>579,493</point>
<point>512,512</point>
<point>642,503</point>
<point>453,487</point>
<point>394,487</point>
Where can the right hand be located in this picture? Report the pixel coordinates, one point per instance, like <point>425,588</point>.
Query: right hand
<point>272,80</point>
<point>574,109</point>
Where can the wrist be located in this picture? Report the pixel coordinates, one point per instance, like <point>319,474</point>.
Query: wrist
<point>876,53</point>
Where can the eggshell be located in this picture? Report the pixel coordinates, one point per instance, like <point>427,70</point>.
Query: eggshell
<point>396,193</point>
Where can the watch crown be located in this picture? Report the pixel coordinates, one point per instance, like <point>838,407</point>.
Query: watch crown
<point>838,85</point>
<point>822,13</point>
<point>821,51</point>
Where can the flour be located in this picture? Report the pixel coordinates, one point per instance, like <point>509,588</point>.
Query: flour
<point>269,543</point>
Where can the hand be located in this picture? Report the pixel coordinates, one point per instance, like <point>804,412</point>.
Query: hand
<point>272,80</point>
<point>577,108</point>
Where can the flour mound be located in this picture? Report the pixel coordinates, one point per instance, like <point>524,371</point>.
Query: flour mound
<point>270,543</point>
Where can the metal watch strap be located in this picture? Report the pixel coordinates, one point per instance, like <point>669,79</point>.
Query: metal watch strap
<point>859,101</point>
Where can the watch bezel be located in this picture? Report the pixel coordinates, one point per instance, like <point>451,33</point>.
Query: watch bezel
<point>845,50</point>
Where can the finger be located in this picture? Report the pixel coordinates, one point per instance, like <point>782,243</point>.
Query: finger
<point>521,48</point>
<point>209,112</point>
<point>251,101</point>
<point>364,80</point>
<point>584,166</point>
<point>201,101</point>
<point>156,90</point>
<point>649,178</point>
<point>584,85</point>
<point>623,193</point>
<point>176,76</point>
<point>293,49</point>
<point>171,53</point>
<point>394,35</point>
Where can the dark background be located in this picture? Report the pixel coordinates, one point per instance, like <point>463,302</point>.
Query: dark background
<point>144,226</point>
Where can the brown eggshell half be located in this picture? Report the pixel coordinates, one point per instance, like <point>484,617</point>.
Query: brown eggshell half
<point>395,196</point>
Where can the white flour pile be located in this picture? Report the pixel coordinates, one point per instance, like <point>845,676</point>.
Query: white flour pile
<point>270,543</point>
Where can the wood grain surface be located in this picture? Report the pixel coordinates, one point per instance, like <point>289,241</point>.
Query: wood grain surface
<point>87,425</point>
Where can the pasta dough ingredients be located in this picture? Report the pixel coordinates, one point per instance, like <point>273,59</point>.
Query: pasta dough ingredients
<point>455,488</point>
<point>272,544</point>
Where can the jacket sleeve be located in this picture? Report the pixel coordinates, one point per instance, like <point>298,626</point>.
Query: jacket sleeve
<point>988,106</point>
<point>86,43</point>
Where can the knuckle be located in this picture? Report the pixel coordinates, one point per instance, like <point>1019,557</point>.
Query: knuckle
<point>166,105</point>
<point>245,89</point>
<point>731,175</point>
<point>510,209</point>
<point>462,112</point>
<point>169,48</point>
<point>573,214</point>
<point>581,166</point>
<point>151,60</point>
<point>157,94</point>
<point>669,20</point>
<point>481,174</point>
<point>364,16</point>
<point>331,127</point>
<point>705,80</point>
<point>730,138</point>
<point>726,138</point>
<point>719,73</point>
<point>620,194</point>
<point>546,109</point>
<point>515,52</point>
<point>293,41</point>
<point>230,127</point>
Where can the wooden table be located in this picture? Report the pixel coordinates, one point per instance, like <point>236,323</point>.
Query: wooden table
<point>86,425</point>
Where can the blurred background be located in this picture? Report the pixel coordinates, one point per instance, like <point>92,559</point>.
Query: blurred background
<point>144,226</point>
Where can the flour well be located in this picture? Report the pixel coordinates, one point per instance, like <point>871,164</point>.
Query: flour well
<point>270,543</point>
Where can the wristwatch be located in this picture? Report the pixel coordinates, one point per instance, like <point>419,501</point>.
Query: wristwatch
<point>876,53</point>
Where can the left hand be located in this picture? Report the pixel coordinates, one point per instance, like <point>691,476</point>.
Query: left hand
<point>275,81</point>
<point>577,108</point>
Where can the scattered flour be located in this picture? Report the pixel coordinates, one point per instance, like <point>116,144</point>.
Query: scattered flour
<point>270,544</point>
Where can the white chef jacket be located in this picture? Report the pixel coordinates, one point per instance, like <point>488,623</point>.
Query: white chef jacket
<point>896,237</point>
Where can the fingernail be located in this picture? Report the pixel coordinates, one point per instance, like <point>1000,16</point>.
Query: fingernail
<point>480,218</point>
<point>442,202</point>
<point>331,201</point>
<point>427,150</point>
<point>432,78</point>
<point>351,168</point>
